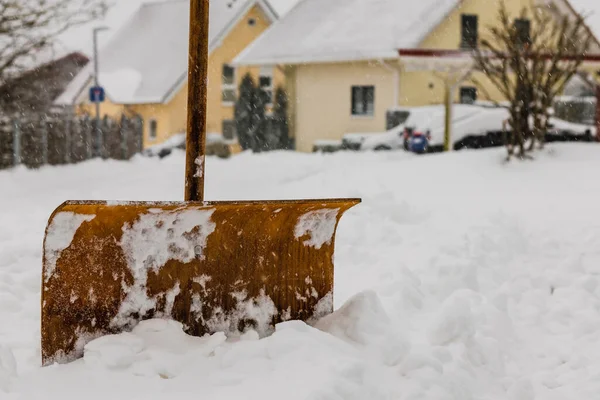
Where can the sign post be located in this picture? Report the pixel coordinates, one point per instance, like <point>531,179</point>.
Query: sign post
<point>97,93</point>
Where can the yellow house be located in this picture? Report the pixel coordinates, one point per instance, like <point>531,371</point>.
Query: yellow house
<point>343,64</point>
<point>143,68</point>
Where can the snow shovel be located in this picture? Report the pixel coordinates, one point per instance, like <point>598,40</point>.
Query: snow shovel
<point>212,266</point>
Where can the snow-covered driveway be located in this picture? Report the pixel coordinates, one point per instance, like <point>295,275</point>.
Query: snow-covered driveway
<point>459,277</point>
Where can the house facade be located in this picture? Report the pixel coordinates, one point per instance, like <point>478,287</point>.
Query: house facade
<point>343,76</point>
<point>144,68</point>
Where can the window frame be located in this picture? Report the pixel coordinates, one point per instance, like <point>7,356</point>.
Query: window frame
<point>520,39</point>
<point>229,87</point>
<point>152,129</point>
<point>231,122</point>
<point>267,72</point>
<point>465,34</point>
<point>364,90</point>
<point>470,89</point>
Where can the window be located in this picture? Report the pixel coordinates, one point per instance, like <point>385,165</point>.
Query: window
<point>153,133</point>
<point>468,95</point>
<point>469,33</point>
<point>523,28</point>
<point>265,81</point>
<point>229,129</point>
<point>363,100</point>
<point>228,85</point>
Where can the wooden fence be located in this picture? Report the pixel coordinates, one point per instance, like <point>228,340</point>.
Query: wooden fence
<point>59,140</point>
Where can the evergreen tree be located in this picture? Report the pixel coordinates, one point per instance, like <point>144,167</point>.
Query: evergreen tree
<point>244,113</point>
<point>260,121</point>
<point>280,119</point>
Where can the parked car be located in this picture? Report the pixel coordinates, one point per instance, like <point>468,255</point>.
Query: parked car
<point>390,140</point>
<point>215,146</point>
<point>473,127</point>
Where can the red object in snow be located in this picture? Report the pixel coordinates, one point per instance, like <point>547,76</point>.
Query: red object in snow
<point>419,133</point>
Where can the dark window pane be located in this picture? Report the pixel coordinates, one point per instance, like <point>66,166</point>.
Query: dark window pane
<point>369,100</point>
<point>228,129</point>
<point>265,81</point>
<point>469,31</point>
<point>153,129</point>
<point>523,28</point>
<point>468,95</point>
<point>357,108</point>
<point>229,95</point>
<point>228,75</point>
<point>363,100</point>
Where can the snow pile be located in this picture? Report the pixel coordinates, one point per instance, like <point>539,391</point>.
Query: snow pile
<point>356,351</point>
<point>452,282</point>
<point>8,368</point>
<point>363,321</point>
<point>260,310</point>
<point>176,141</point>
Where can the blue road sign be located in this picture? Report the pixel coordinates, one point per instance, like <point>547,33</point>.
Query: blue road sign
<point>97,94</point>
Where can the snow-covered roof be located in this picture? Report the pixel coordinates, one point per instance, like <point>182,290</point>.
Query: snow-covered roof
<point>147,59</point>
<point>346,30</point>
<point>282,6</point>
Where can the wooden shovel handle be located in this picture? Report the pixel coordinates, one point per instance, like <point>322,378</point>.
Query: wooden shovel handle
<point>197,94</point>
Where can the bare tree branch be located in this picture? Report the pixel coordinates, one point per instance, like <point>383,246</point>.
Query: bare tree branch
<point>530,72</point>
<point>30,27</point>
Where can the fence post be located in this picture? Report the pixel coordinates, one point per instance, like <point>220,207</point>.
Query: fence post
<point>105,131</point>
<point>89,138</point>
<point>124,137</point>
<point>44,131</point>
<point>67,128</point>
<point>141,136</point>
<point>597,120</point>
<point>16,142</point>
<point>99,137</point>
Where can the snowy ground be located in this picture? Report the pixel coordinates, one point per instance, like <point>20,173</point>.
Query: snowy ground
<point>459,277</point>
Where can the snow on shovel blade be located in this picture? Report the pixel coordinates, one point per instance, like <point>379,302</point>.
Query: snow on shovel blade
<point>213,266</point>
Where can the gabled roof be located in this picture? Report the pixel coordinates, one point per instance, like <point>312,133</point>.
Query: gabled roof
<point>346,30</point>
<point>148,58</point>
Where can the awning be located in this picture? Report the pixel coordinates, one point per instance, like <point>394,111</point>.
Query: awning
<point>442,60</point>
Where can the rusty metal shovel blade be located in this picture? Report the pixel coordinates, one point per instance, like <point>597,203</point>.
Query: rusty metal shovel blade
<point>213,266</point>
